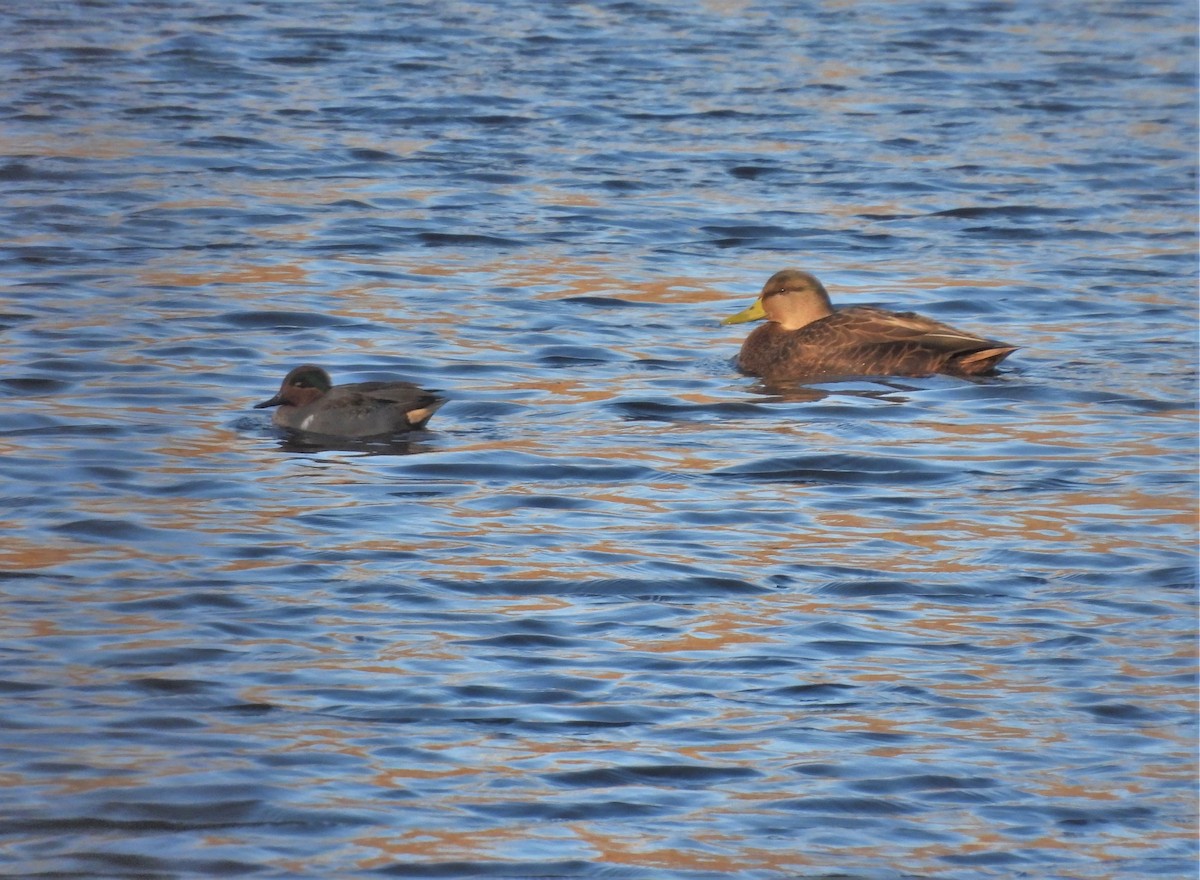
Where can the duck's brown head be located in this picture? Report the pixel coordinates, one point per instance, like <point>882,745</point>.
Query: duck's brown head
<point>790,298</point>
<point>300,387</point>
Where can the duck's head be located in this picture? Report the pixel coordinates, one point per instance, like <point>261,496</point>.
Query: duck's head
<point>790,298</point>
<point>300,387</point>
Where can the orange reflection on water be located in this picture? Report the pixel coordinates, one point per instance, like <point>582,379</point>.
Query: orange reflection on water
<point>250,274</point>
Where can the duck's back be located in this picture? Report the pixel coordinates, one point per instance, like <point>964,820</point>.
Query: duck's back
<point>369,409</point>
<point>862,341</point>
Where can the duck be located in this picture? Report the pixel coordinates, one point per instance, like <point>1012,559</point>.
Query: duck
<point>309,402</point>
<point>806,337</point>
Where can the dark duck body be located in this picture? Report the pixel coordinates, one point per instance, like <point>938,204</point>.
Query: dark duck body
<point>308,401</point>
<point>806,337</point>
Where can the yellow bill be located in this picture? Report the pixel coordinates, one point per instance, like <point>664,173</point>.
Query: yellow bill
<point>754,313</point>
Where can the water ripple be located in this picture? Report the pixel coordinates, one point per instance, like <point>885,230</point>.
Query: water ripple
<point>621,611</point>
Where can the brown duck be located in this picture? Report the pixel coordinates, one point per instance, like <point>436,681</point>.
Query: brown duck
<point>806,337</point>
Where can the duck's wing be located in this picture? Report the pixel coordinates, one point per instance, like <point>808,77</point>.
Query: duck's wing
<point>904,342</point>
<point>867,326</point>
<point>390,393</point>
<point>415,402</point>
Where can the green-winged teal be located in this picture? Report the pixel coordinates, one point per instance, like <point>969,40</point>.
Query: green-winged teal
<point>308,401</point>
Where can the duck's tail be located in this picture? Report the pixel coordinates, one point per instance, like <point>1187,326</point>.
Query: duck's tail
<point>429,404</point>
<point>982,361</point>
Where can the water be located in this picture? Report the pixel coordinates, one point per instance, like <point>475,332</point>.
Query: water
<point>622,612</point>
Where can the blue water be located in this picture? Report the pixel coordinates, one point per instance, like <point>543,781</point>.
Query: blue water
<point>621,612</point>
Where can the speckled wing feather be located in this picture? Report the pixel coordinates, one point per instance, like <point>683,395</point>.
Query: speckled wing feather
<point>862,325</point>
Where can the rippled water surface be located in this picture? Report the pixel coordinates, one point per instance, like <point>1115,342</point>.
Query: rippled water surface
<point>621,612</point>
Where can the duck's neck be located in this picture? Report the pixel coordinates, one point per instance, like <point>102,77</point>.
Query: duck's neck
<point>801,314</point>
